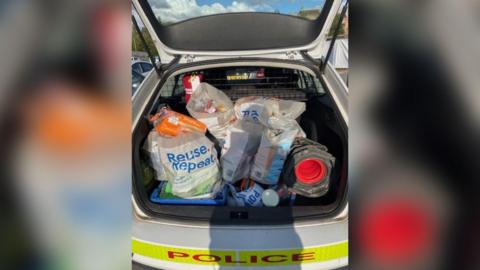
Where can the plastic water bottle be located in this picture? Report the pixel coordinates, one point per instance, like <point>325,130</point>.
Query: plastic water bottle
<point>270,198</point>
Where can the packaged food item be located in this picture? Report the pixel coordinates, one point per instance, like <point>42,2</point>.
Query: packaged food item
<point>241,145</point>
<point>260,109</point>
<point>213,108</point>
<point>274,147</point>
<point>190,84</point>
<point>249,194</point>
<point>171,123</point>
<point>308,168</point>
<point>189,162</point>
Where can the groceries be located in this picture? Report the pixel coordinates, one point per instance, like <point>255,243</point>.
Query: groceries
<point>213,108</point>
<point>289,109</point>
<point>248,194</point>
<point>189,161</point>
<point>190,84</point>
<point>260,109</point>
<point>308,168</point>
<point>238,152</point>
<point>279,130</point>
<point>170,123</point>
<point>181,154</point>
<point>274,148</point>
<point>153,150</point>
<point>265,158</point>
<point>163,195</point>
<point>255,109</point>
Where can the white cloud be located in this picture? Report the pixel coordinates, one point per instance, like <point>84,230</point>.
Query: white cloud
<point>179,10</point>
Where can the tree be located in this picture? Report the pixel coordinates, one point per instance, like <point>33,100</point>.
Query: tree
<point>334,26</point>
<point>138,45</point>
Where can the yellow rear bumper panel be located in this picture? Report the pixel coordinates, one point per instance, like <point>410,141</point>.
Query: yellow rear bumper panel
<point>243,257</point>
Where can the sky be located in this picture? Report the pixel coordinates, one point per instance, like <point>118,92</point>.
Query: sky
<point>179,10</point>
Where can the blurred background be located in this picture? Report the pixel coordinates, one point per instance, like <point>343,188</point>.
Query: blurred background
<point>414,134</point>
<point>65,95</point>
<point>65,134</point>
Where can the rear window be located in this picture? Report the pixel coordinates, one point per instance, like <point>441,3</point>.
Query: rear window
<point>238,82</point>
<point>172,11</point>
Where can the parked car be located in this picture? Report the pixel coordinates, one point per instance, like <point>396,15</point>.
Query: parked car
<point>142,67</point>
<point>137,79</point>
<point>244,54</point>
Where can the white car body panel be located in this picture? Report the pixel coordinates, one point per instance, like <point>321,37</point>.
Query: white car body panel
<point>315,48</point>
<point>157,236</point>
<point>235,238</point>
<point>198,236</point>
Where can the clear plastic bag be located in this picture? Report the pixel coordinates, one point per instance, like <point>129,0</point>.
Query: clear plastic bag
<point>289,109</point>
<point>188,161</point>
<point>274,148</point>
<point>213,108</point>
<point>241,144</point>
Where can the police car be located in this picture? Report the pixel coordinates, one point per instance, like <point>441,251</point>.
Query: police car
<point>248,53</point>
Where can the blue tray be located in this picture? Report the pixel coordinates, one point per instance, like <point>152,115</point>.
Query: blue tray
<point>220,199</point>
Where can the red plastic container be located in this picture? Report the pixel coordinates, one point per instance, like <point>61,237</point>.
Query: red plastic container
<point>190,82</point>
<point>311,171</point>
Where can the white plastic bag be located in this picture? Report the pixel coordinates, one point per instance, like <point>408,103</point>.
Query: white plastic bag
<point>260,109</point>
<point>251,195</point>
<point>151,146</point>
<point>241,145</point>
<point>189,161</point>
<point>289,109</point>
<point>274,148</point>
<point>255,109</point>
<point>213,108</point>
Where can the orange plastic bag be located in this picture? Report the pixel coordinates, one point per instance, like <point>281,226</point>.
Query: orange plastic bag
<point>170,123</point>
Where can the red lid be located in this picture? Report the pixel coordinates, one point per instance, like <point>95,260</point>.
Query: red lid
<point>311,171</point>
<point>396,230</point>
